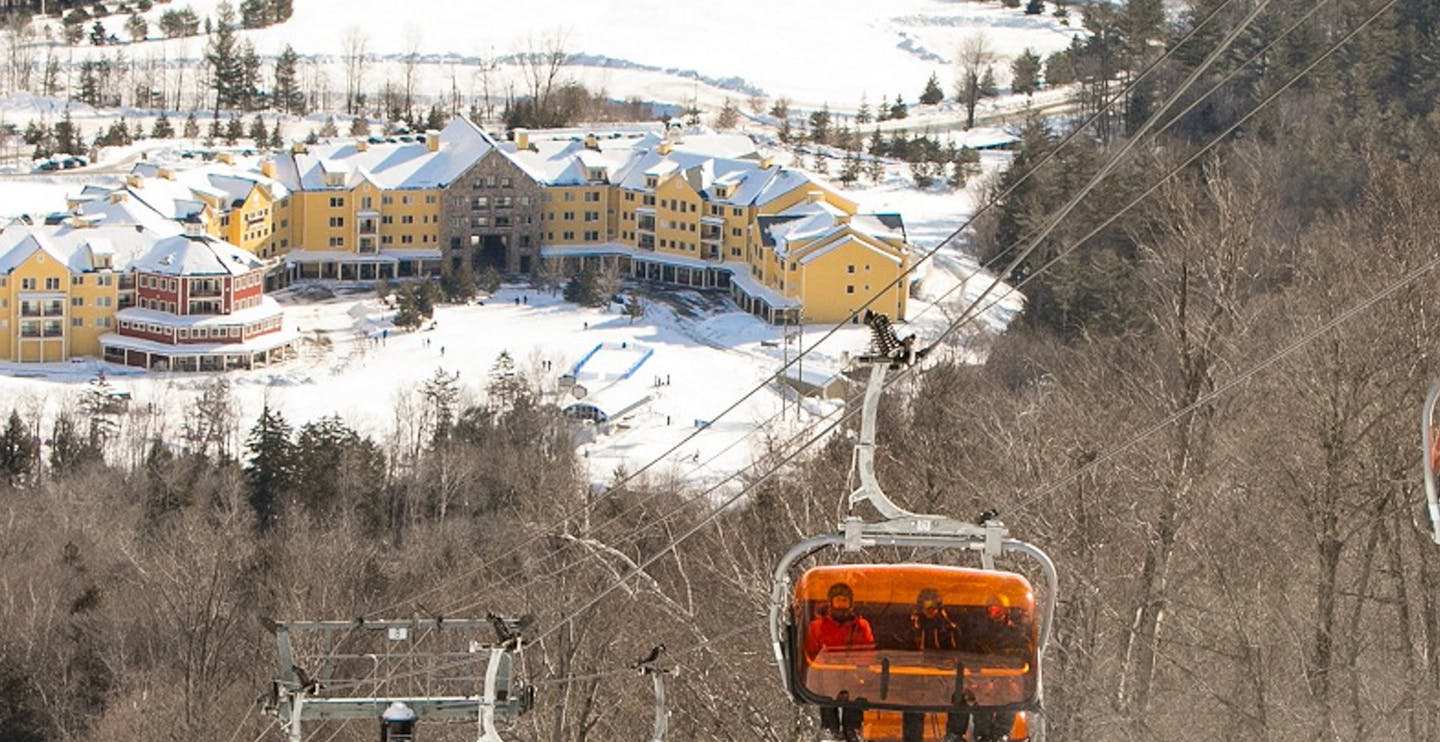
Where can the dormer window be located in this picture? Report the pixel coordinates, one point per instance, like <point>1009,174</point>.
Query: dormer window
<point>334,180</point>
<point>652,181</point>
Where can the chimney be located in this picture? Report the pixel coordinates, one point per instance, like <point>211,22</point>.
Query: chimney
<point>432,140</point>
<point>522,138</point>
<point>267,168</point>
<point>166,173</point>
<point>226,157</point>
<point>814,197</point>
<point>361,145</point>
<point>298,148</point>
<point>842,219</point>
<point>134,181</point>
<point>591,142</point>
<point>117,196</point>
<point>664,148</point>
<point>767,162</point>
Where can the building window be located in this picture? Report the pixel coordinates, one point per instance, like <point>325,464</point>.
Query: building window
<point>850,289</point>
<point>407,219</point>
<point>430,199</point>
<point>568,216</point>
<point>77,280</point>
<point>337,241</point>
<point>367,202</point>
<point>404,199</point>
<point>387,219</point>
<point>504,182</point>
<point>568,236</point>
<point>337,202</point>
<point>592,216</point>
<point>848,269</point>
<point>592,236</point>
<point>77,301</point>
<point>52,284</point>
<point>337,221</point>
<point>77,322</point>
<point>569,195</point>
<point>387,200</point>
<point>592,196</point>
<point>27,284</point>
<point>406,239</point>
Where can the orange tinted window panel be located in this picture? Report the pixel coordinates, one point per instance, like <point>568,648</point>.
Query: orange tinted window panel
<point>897,636</point>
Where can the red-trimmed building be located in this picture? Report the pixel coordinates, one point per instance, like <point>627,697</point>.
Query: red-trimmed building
<point>199,306</point>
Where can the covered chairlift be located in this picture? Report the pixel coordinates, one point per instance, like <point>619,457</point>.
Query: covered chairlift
<point>1430,445</point>
<point>984,665</point>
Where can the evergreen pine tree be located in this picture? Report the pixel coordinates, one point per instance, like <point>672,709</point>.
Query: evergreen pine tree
<point>67,137</point>
<point>270,467</point>
<point>729,116</point>
<point>288,97</point>
<point>234,130</point>
<point>277,138</point>
<point>850,170</point>
<point>932,94</point>
<point>1025,73</point>
<point>70,449</point>
<point>254,13</point>
<point>435,118</point>
<point>281,10</point>
<point>222,54</point>
<point>258,133</point>
<point>329,129</point>
<point>898,109</point>
<point>875,169</point>
<point>359,127</point>
<point>19,449</point>
<point>248,84</point>
<point>584,288</point>
<point>441,395</point>
<point>192,127</point>
<point>489,280</point>
<point>820,125</point>
<point>326,448</point>
<point>862,114</point>
<point>1059,69</point>
<point>506,388</point>
<point>988,87</point>
<point>137,27</point>
<point>215,131</point>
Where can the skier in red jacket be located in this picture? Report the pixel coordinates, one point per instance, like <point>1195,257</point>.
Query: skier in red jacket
<point>839,628</point>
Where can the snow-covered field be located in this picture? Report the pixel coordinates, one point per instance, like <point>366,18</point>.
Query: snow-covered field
<point>812,51</point>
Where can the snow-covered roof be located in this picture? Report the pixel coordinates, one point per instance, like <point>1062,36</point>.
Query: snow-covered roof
<point>76,247</point>
<point>196,255</point>
<point>267,309</point>
<point>121,208</point>
<point>389,165</point>
<point>820,228</point>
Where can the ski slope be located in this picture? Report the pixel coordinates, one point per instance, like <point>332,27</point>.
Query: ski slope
<point>813,51</point>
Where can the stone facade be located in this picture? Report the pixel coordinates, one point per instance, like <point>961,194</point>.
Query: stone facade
<point>491,216</point>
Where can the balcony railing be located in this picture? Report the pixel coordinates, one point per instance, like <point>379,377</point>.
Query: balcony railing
<point>205,291</point>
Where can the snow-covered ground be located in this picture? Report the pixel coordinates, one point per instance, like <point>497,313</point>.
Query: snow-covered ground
<point>813,51</point>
